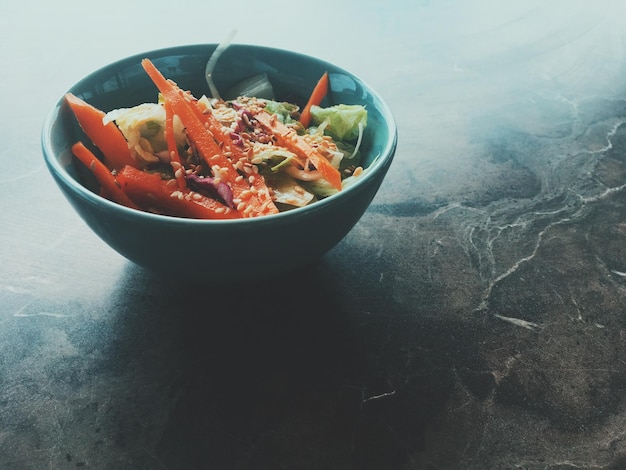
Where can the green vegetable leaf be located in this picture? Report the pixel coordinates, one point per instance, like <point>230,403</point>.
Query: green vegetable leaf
<point>320,187</point>
<point>288,191</point>
<point>281,109</point>
<point>342,120</point>
<point>143,127</point>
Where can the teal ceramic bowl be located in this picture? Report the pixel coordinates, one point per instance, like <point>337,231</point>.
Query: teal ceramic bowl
<point>219,250</point>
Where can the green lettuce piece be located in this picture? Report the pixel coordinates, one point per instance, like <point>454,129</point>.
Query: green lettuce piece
<point>287,190</point>
<point>320,187</point>
<point>275,158</point>
<point>281,109</point>
<point>343,120</point>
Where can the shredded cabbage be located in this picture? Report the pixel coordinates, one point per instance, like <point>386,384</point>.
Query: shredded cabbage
<point>282,110</point>
<point>288,191</point>
<point>143,127</point>
<point>342,120</point>
<point>275,157</point>
<point>320,187</point>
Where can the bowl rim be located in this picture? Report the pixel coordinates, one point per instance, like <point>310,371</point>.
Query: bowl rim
<point>379,163</point>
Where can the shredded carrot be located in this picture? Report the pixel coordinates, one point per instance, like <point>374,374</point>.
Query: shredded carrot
<point>317,95</point>
<point>108,185</point>
<point>206,142</point>
<point>108,138</point>
<point>265,204</point>
<point>153,193</point>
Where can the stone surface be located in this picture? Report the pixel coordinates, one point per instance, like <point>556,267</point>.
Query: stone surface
<point>473,319</point>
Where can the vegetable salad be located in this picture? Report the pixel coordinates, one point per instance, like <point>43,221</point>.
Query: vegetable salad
<point>211,158</point>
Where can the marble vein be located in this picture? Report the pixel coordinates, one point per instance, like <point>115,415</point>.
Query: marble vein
<point>519,322</point>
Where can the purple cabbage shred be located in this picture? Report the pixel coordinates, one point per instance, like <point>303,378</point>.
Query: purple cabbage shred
<point>236,138</point>
<point>215,190</point>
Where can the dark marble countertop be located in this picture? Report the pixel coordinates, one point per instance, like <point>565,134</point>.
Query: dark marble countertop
<point>473,319</point>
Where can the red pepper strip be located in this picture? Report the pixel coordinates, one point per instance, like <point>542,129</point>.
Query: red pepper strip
<point>175,162</point>
<point>204,142</point>
<point>151,192</point>
<point>265,205</point>
<point>108,186</point>
<point>317,95</point>
<point>108,138</point>
<point>288,138</point>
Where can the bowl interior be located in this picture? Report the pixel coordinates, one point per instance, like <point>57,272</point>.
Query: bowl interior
<point>292,75</point>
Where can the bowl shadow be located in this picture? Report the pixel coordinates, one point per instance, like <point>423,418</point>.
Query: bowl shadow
<point>277,374</point>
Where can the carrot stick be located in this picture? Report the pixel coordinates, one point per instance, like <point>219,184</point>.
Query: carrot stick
<point>317,95</point>
<point>151,192</point>
<point>204,142</point>
<point>288,138</point>
<point>108,138</point>
<point>265,205</point>
<point>108,185</point>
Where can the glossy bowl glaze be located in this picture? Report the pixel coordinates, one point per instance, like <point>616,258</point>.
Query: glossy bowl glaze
<point>222,250</point>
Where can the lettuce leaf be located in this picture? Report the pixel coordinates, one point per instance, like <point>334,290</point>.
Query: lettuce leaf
<point>341,121</point>
<point>288,191</point>
<point>320,187</point>
<point>282,110</point>
<point>144,129</point>
<point>274,157</point>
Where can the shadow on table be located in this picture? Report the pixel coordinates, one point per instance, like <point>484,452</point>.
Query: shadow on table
<point>317,369</point>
